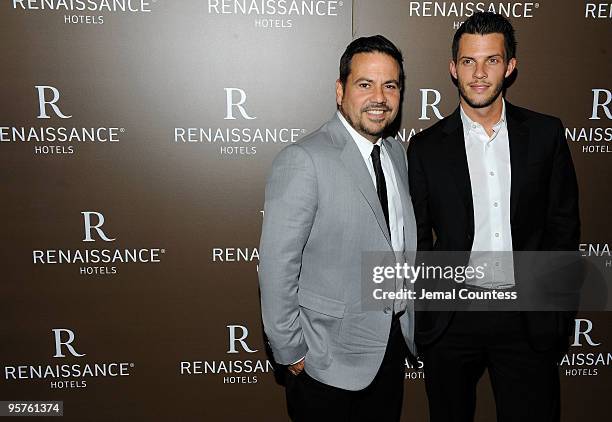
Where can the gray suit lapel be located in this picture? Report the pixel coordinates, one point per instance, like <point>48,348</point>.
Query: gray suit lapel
<point>353,161</point>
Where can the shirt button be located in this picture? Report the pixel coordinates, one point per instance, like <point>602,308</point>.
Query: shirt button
<point>496,234</point>
<point>495,204</point>
<point>492,173</point>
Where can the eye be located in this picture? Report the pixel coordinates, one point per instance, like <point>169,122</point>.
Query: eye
<point>391,86</point>
<point>493,60</point>
<point>467,61</point>
<point>364,85</point>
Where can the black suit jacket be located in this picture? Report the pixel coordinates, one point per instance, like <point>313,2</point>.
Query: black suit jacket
<point>544,213</point>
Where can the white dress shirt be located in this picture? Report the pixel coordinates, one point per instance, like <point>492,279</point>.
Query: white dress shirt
<point>489,166</point>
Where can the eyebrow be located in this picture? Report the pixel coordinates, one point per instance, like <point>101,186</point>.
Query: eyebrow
<point>393,81</point>
<point>488,57</point>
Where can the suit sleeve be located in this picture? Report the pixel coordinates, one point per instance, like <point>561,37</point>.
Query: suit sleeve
<point>289,211</point>
<point>420,197</point>
<point>563,217</point>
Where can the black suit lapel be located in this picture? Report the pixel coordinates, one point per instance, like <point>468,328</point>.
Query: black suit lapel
<point>518,135</point>
<point>454,152</point>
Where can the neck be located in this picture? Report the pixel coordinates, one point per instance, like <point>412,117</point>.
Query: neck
<point>371,138</point>
<point>486,116</point>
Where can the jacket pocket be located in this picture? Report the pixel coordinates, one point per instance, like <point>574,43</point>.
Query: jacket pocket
<point>322,304</point>
<point>321,318</point>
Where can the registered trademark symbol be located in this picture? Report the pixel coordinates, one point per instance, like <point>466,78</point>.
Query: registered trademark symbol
<point>341,3</point>
<point>163,251</point>
<point>537,5</point>
<point>303,130</point>
<point>131,365</point>
<point>122,130</point>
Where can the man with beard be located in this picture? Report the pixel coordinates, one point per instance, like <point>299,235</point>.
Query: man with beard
<point>337,193</point>
<point>492,177</point>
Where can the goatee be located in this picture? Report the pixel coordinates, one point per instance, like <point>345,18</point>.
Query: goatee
<point>483,103</point>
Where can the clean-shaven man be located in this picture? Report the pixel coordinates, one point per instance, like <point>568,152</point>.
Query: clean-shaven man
<point>492,177</point>
<point>339,192</point>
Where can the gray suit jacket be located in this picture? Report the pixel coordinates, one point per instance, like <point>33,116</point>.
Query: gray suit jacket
<point>321,213</point>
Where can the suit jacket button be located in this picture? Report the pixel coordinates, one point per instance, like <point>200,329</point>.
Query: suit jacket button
<point>387,309</point>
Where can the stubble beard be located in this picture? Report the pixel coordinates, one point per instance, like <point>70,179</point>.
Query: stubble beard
<point>362,129</point>
<point>483,103</point>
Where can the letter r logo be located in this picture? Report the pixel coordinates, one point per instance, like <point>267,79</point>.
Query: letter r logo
<point>425,104</point>
<point>43,102</point>
<point>578,332</point>
<point>599,102</point>
<point>231,104</point>
<point>87,217</point>
<point>67,343</point>
<point>234,339</point>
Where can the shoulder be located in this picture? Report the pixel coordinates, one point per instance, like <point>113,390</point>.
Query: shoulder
<point>430,137</point>
<point>533,118</point>
<point>546,132</point>
<point>308,148</point>
<point>320,141</point>
<point>293,156</point>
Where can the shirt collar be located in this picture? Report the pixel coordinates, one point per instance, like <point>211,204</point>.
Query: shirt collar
<point>364,145</point>
<point>469,124</point>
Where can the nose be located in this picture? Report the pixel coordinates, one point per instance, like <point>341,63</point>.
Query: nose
<point>378,95</point>
<point>480,71</point>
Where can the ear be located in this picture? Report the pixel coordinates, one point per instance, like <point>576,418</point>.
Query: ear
<point>453,69</point>
<point>339,92</point>
<point>511,67</point>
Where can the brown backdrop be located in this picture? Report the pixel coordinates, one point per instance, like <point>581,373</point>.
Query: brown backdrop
<point>188,102</point>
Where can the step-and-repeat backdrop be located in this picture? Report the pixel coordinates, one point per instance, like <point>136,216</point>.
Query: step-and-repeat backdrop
<point>135,140</point>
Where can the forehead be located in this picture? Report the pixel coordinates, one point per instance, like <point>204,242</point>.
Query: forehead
<point>481,45</point>
<point>374,64</point>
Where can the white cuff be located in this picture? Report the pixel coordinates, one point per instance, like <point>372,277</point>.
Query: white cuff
<point>298,361</point>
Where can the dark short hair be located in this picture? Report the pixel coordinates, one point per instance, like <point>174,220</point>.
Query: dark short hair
<point>483,23</point>
<point>373,44</point>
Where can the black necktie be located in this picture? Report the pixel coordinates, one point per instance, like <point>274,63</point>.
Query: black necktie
<point>381,185</point>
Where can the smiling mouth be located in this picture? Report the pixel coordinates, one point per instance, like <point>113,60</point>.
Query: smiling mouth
<point>376,111</point>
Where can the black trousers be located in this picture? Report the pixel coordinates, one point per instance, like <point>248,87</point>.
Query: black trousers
<point>309,400</point>
<point>525,382</point>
